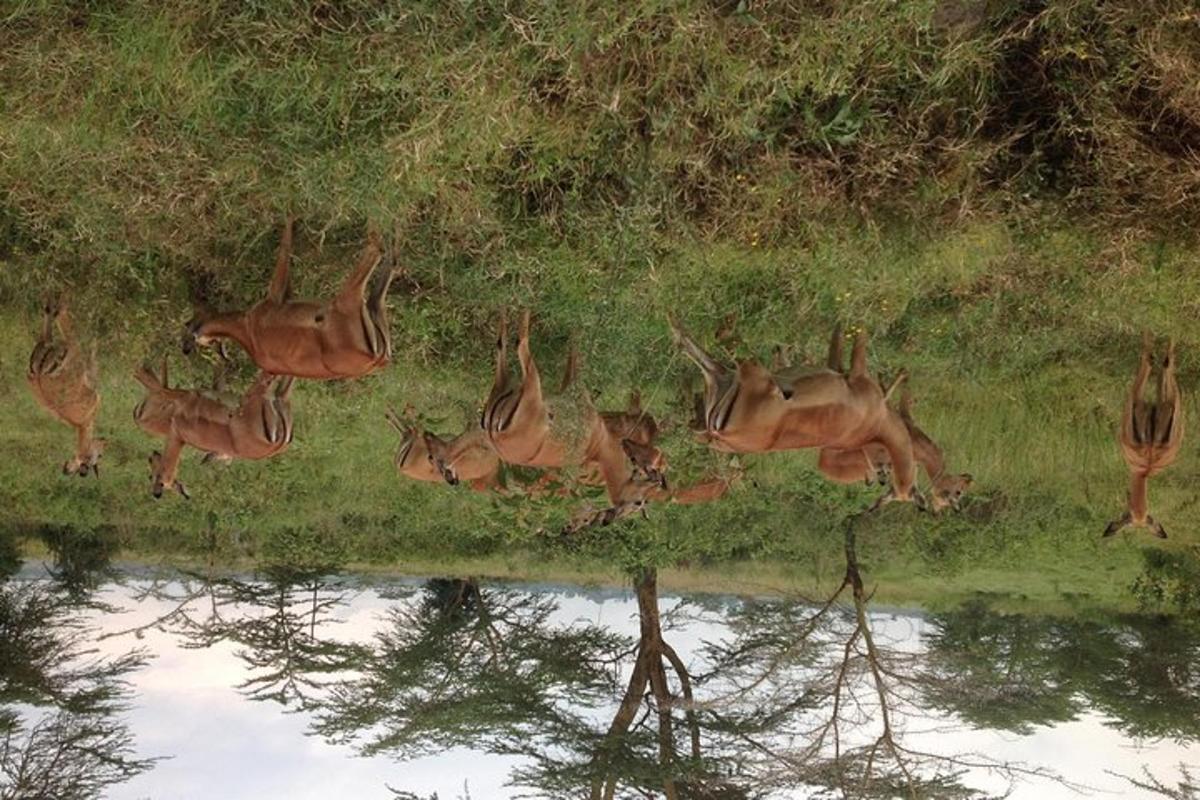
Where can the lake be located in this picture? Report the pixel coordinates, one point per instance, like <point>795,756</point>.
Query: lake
<point>299,684</point>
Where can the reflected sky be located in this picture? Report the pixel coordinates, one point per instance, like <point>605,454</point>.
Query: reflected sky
<point>187,704</point>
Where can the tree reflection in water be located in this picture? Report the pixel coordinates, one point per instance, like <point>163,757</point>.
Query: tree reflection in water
<point>280,619</point>
<point>469,666</point>
<point>812,694</point>
<point>821,695</point>
<point>800,695</point>
<point>62,734</point>
<point>1012,672</point>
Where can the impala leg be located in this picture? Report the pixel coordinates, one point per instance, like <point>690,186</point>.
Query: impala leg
<point>376,309</point>
<point>280,288</point>
<point>896,440</point>
<point>858,356</point>
<point>571,370</point>
<point>1136,420</point>
<point>834,359</point>
<point>44,338</point>
<point>350,296</point>
<point>1165,415</point>
<point>501,376</point>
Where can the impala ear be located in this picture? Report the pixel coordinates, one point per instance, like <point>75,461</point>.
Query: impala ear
<point>394,420</point>
<point>146,378</point>
<point>1118,524</point>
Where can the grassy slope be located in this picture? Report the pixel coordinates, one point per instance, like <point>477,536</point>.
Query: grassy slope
<point>603,167</point>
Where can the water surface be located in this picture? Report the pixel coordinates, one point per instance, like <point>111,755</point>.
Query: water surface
<point>300,684</point>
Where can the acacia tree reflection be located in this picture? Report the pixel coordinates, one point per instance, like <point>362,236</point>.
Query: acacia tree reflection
<point>61,731</point>
<point>489,669</point>
<point>814,694</point>
<point>1013,672</point>
<point>466,665</point>
<point>81,559</point>
<point>281,620</point>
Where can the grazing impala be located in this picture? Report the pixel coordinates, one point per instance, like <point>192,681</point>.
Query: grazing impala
<point>469,456</point>
<point>63,381</point>
<point>259,427</point>
<point>1150,437</point>
<point>872,463</point>
<point>526,428</point>
<point>749,410</point>
<point>345,338</point>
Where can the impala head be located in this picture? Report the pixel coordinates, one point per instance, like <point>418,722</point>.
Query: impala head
<point>87,460</point>
<point>948,491</point>
<point>589,517</point>
<point>649,463</point>
<point>437,450</point>
<point>53,305</point>
<point>194,334</point>
<point>160,481</point>
<point>410,439</point>
<point>1128,520</point>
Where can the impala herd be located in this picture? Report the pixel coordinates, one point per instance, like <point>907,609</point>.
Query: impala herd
<point>846,414</point>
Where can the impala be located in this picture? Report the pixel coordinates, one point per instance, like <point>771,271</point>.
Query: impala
<point>345,338</point>
<point>747,409</point>
<point>1150,436</point>
<point>260,426</point>
<point>524,427</point>
<point>873,463</point>
<point>468,456</point>
<point>63,382</point>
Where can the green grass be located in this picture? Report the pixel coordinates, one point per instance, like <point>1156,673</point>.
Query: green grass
<point>1003,196</point>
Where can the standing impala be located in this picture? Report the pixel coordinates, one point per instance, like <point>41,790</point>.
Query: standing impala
<point>345,338</point>
<point>750,410</point>
<point>63,382</point>
<point>259,427</point>
<point>1150,436</point>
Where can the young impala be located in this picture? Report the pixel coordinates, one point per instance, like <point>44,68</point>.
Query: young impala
<point>63,382</point>
<point>1150,436</point>
<point>750,410</point>
<point>345,338</point>
<point>260,426</point>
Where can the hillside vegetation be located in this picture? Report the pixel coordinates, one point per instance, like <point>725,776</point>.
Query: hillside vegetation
<point>1003,193</point>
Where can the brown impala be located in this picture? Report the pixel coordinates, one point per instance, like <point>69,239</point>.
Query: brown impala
<point>872,463</point>
<point>63,381</point>
<point>750,410</point>
<point>1150,437</point>
<point>525,427</point>
<point>470,457</point>
<point>344,338</point>
<point>259,427</point>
